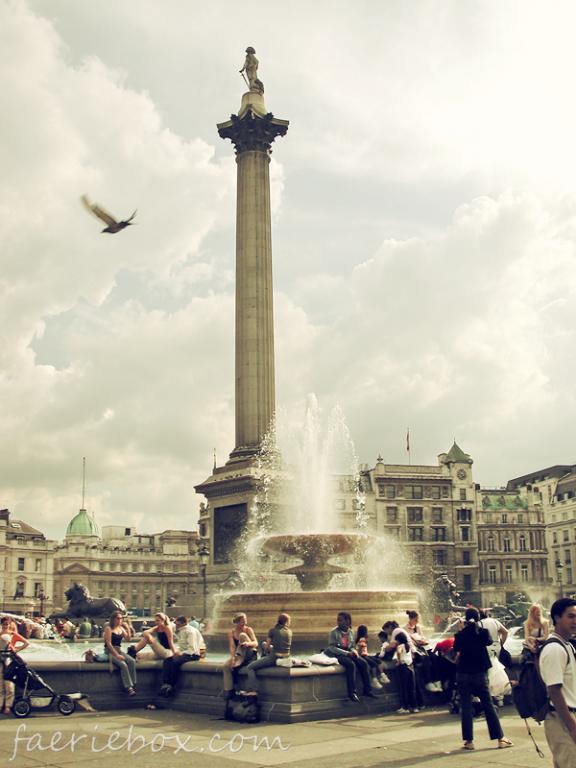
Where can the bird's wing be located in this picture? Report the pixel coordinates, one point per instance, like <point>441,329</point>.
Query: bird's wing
<point>97,211</point>
<point>131,217</point>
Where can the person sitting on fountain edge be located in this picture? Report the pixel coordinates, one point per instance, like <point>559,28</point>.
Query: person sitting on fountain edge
<point>341,647</point>
<point>190,641</point>
<point>230,667</point>
<point>277,646</point>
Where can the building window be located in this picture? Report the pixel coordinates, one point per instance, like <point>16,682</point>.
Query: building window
<point>438,534</point>
<point>390,491</point>
<point>19,589</point>
<point>568,575</point>
<point>520,518</point>
<point>554,538</point>
<point>435,492</point>
<point>37,588</point>
<point>413,491</point>
<point>465,533</point>
<point>439,557</point>
<point>21,563</point>
<point>567,556</point>
<point>490,542</point>
<point>467,583</point>
<point>508,574</point>
<point>462,494</point>
<point>415,534</point>
<point>565,536</point>
<point>507,545</point>
<point>445,492</point>
<point>464,515</point>
<point>504,518</point>
<point>38,565</point>
<point>466,559</point>
<point>437,514</point>
<point>415,514</point>
<point>492,574</point>
<point>391,514</point>
<point>524,572</point>
<point>522,543</point>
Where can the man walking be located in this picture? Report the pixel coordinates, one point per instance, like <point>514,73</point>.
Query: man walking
<point>558,670</point>
<point>190,641</point>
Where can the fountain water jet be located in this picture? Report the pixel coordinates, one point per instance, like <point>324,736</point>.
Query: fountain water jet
<point>294,517</point>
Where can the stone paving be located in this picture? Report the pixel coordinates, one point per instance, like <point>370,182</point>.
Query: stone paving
<point>146,738</point>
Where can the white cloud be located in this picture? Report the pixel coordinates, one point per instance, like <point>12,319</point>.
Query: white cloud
<point>423,238</point>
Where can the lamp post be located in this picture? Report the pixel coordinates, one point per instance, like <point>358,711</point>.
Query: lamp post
<point>204,557</point>
<point>559,571</point>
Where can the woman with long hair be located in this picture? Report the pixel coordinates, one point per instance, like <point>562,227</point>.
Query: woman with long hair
<point>114,633</point>
<point>536,628</point>
<point>473,663</point>
<point>241,635</point>
<point>160,638</point>
<point>10,640</point>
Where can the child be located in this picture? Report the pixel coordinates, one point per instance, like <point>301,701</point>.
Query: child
<point>361,644</point>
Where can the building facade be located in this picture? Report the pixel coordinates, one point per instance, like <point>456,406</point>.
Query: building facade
<point>512,552</point>
<point>145,571</point>
<point>429,509</point>
<point>553,491</point>
<point>26,567</point>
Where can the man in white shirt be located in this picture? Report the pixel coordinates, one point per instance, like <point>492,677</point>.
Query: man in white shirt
<point>190,641</point>
<point>496,630</point>
<point>558,670</point>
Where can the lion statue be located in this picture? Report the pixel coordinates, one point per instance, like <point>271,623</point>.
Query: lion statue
<point>81,604</point>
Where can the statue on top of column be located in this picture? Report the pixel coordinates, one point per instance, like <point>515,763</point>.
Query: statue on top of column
<point>251,69</point>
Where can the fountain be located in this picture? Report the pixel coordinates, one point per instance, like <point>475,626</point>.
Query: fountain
<point>294,517</point>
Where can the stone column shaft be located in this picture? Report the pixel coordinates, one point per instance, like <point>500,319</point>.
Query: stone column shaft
<point>255,399</point>
<point>252,132</point>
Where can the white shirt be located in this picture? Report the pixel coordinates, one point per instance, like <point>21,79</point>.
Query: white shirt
<point>493,626</point>
<point>558,667</point>
<point>405,656</point>
<point>189,640</point>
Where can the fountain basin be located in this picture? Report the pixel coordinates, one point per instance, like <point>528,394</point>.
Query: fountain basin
<point>313,613</point>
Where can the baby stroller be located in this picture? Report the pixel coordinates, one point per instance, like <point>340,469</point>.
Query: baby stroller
<point>32,691</point>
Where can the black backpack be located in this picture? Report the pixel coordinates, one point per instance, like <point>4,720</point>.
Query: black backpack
<point>530,695</point>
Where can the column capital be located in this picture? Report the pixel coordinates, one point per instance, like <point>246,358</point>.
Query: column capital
<point>252,132</point>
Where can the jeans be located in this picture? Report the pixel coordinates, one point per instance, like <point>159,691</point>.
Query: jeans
<point>351,665</point>
<point>230,673</point>
<point>476,684</point>
<point>127,666</point>
<point>171,667</point>
<point>261,663</point>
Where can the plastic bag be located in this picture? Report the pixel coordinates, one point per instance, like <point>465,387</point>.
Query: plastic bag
<point>498,679</point>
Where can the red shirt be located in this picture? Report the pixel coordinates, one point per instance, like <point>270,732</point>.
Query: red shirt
<point>445,646</point>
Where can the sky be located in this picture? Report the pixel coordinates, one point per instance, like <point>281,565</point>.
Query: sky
<point>424,239</point>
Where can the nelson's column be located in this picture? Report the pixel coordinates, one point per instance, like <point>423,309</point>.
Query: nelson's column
<point>231,488</point>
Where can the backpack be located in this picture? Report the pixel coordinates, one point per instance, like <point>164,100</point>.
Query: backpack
<point>530,694</point>
<point>242,709</point>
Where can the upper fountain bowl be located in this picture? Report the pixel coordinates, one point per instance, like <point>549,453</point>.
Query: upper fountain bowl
<point>315,549</point>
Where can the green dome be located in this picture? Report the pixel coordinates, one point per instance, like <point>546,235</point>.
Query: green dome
<point>83,525</point>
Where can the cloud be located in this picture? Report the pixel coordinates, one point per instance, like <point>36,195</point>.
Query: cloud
<point>423,240</point>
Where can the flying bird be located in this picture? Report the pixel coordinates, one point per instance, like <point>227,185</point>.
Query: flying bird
<point>113,225</point>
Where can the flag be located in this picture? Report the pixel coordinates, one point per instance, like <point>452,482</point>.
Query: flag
<point>408,439</point>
